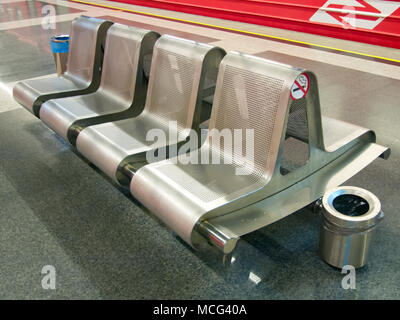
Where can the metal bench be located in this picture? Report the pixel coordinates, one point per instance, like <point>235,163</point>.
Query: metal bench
<point>297,156</point>
<point>122,91</point>
<point>182,73</point>
<point>83,68</point>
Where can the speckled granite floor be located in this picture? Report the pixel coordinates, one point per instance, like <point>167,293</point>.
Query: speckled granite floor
<point>57,209</point>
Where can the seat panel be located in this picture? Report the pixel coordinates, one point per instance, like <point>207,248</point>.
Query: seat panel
<point>120,139</point>
<point>70,109</point>
<point>112,146</point>
<point>42,86</point>
<point>82,74</point>
<point>32,93</point>
<point>210,184</point>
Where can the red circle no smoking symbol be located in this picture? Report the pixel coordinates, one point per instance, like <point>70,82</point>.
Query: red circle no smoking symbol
<point>300,87</point>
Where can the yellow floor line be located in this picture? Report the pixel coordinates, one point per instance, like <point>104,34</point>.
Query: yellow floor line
<point>235,30</point>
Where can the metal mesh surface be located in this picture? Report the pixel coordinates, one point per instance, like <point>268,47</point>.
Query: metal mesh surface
<point>297,126</point>
<point>120,62</point>
<point>295,149</point>
<point>202,182</point>
<point>172,94</point>
<point>249,101</point>
<point>82,50</point>
<point>245,101</point>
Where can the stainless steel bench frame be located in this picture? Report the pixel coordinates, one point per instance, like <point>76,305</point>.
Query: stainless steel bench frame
<point>332,160</point>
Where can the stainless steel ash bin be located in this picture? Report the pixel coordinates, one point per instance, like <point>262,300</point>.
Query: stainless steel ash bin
<point>349,217</point>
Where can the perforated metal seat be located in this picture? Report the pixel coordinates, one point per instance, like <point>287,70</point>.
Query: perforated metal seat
<point>83,68</point>
<point>181,71</point>
<point>122,91</point>
<point>221,202</point>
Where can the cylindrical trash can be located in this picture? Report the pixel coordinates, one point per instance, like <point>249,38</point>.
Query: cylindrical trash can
<point>59,46</point>
<point>349,216</point>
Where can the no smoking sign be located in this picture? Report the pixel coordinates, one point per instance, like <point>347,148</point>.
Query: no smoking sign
<point>300,87</point>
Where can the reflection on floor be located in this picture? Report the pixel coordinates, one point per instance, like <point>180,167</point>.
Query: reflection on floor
<point>57,209</point>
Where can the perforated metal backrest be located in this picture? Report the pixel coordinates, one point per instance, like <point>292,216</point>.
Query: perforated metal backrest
<point>252,93</point>
<point>297,126</point>
<point>85,34</point>
<point>121,60</point>
<point>174,80</point>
